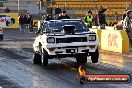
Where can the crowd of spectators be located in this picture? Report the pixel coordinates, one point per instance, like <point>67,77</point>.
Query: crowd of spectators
<point>62,15</point>
<point>98,19</point>
<point>25,22</point>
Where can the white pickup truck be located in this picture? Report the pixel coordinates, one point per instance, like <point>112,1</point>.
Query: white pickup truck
<point>65,38</point>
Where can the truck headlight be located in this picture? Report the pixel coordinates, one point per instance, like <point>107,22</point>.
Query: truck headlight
<point>51,40</point>
<point>92,37</point>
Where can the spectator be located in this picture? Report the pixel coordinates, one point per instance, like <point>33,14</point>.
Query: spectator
<point>128,26</point>
<point>1,4</point>
<point>44,14</point>
<point>7,10</point>
<point>116,16</point>
<point>124,15</point>
<point>49,17</point>
<point>57,10</point>
<point>63,16</point>
<point>48,1</point>
<point>96,19</point>
<point>102,20</point>
<point>29,22</point>
<point>49,10</point>
<point>100,10</point>
<point>22,21</point>
<point>89,19</point>
<point>44,17</point>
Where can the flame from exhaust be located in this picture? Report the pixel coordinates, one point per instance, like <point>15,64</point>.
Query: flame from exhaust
<point>81,71</point>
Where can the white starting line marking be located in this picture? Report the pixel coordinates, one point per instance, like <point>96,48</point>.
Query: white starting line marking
<point>1,87</point>
<point>8,39</point>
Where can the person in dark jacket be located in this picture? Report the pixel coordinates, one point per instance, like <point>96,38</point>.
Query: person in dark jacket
<point>102,20</point>
<point>29,22</point>
<point>57,10</point>
<point>7,10</point>
<point>22,22</point>
<point>49,17</point>
<point>1,4</point>
<point>63,16</point>
<point>49,10</point>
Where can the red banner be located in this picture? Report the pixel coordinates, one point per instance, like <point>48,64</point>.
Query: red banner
<point>106,78</point>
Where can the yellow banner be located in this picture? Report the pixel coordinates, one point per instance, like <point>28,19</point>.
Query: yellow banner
<point>35,23</point>
<point>113,40</point>
<point>9,20</point>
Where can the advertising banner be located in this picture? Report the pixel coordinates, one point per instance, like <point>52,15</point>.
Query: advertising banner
<point>9,20</point>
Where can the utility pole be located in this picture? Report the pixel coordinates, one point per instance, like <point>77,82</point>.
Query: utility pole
<point>95,5</point>
<point>40,8</point>
<point>18,2</point>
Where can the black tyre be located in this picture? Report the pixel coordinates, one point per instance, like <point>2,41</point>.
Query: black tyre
<point>1,37</point>
<point>95,56</point>
<point>37,58</point>
<point>44,59</point>
<point>44,56</point>
<point>81,58</point>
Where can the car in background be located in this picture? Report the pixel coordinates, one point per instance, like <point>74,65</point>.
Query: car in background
<point>65,38</point>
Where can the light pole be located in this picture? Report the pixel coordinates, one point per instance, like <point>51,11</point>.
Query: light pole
<point>40,5</point>
<point>40,8</point>
<point>18,6</point>
<point>95,5</point>
<point>127,4</point>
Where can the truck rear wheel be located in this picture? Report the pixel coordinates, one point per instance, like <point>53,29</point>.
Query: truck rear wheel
<point>81,58</point>
<point>44,58</point>
<point>1,37</point>
<point>37,58</point>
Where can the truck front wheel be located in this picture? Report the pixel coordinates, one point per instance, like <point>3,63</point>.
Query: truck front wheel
<point>37,58</point>
<point>95,56</point>
<point>44,58</point>
<point>81,58</point>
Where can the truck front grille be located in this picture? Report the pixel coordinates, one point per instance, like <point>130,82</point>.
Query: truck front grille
<point>71,39</point>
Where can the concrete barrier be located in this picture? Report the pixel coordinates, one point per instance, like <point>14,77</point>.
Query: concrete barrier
<point>98,32</point>
<point>113,40</point>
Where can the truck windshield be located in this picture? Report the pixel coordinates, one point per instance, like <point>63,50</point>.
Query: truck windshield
<point>79,26</point>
